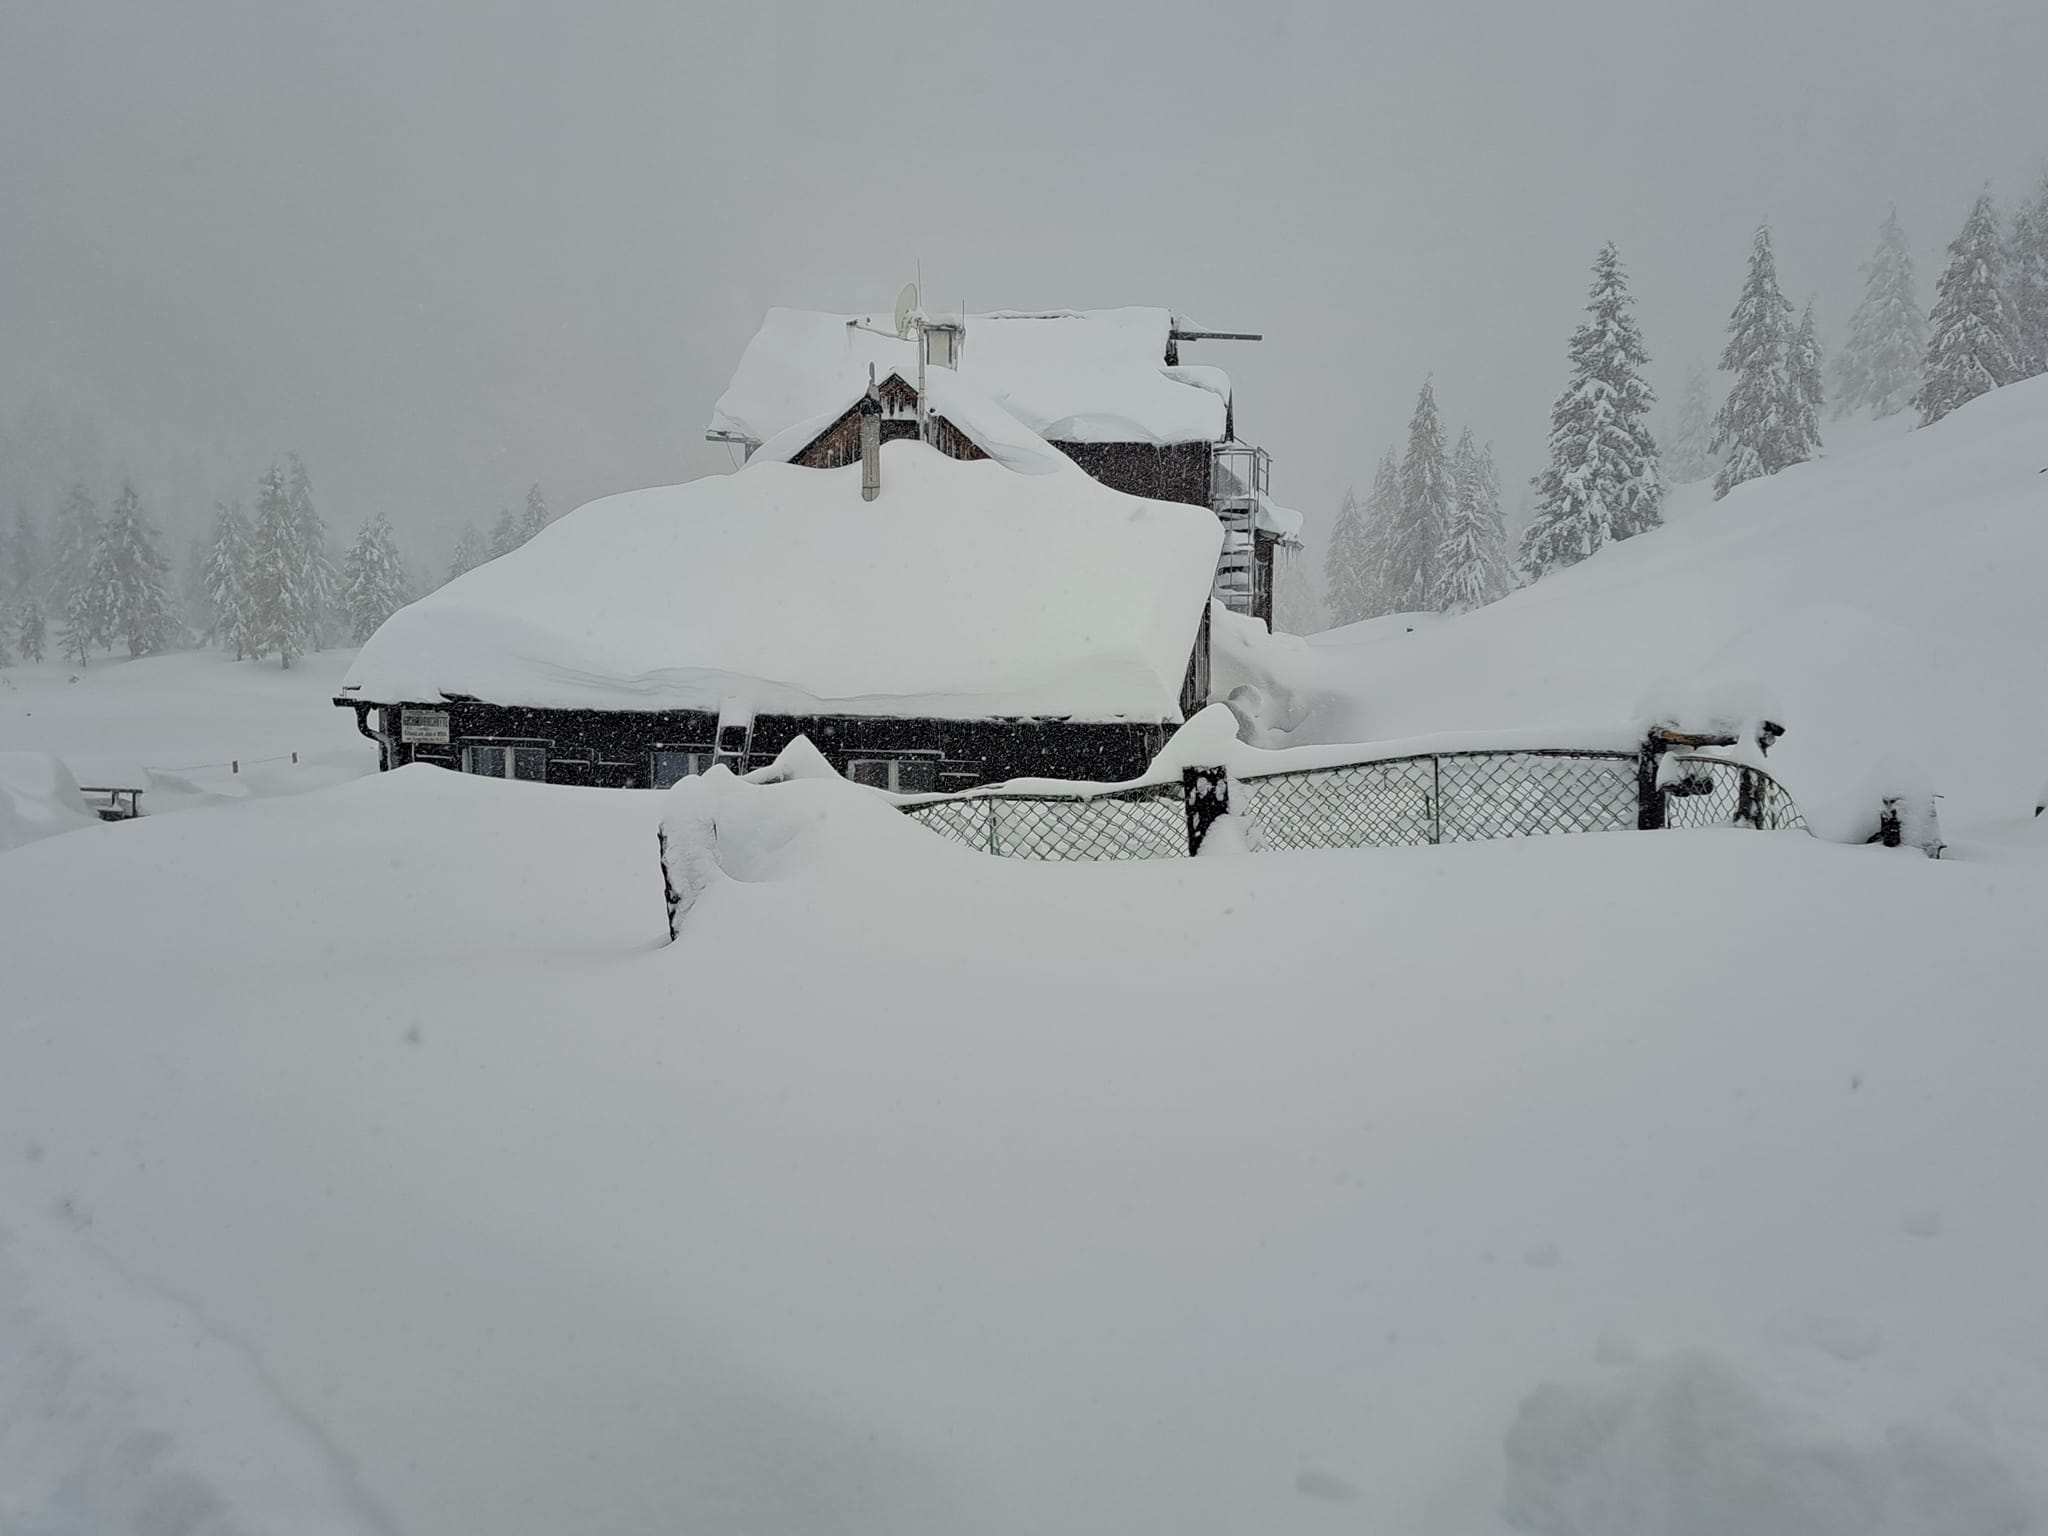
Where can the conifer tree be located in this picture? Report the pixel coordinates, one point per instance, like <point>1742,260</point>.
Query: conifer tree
<point>1754,424</point>
<point>1969,350</point>
<point>535,517</point>
<point>282,600</point>
<point>77,535</point>
<point>373,579</point>
<point>469,551</point>
<point>28,572</point>
<point>31,629</point>
<point>1686,458</point>
<point>126,590</point>
<point>229,580</point>
<point>1471,564</point>
<point>1424,517</point>
<point>1804,364</point>
<point>322,582</point>
<point>1381,515</point>
<point>1603,482</point>
<point>2027,278</point>
<point>505,534</point>
<point>1878,367</point>
<point>1346,577</point>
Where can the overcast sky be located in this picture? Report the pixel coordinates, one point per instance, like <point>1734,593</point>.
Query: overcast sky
<point>448,247</point>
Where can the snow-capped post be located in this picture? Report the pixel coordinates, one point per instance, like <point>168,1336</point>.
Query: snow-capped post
<point>1205,793</point>
<point>1649,794</point>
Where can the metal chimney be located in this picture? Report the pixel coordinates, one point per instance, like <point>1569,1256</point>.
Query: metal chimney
<point>871,440</point>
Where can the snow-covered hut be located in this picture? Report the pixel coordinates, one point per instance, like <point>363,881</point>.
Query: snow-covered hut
<point>988,615</point>
<point>1105,387</point>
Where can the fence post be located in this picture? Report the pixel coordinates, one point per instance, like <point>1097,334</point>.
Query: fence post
<point>1205,795</point>
<point>1749,800</point>
<point>1649,798</point>
<point>668,886</point>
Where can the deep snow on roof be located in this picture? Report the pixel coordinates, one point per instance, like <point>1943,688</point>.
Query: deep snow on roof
<point>966,591</point>
<point>1096,375</point>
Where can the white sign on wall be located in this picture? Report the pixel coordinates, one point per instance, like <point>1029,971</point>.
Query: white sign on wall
<point>423,727</point>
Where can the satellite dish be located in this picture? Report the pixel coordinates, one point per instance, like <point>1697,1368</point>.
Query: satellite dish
<point>906,307</point>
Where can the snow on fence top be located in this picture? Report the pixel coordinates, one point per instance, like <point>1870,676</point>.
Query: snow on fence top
<point>965,592</point>
<point>1095,375</point>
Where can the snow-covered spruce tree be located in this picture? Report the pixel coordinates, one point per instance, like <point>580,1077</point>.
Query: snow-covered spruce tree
<point>1753,426</point>
<point>372,579</point>
<point>283,603</point>
<point>1970,348</point>
<point>1424,517</point>
<point>505,534</point>
<point>1469,562</point>
<point>230,582</point>
<point>1686,458</point>
<point>322,580</point>
<point>470,551</point>
<point>1805,363</point>
<point>76,536</point>
<point>28,572</point>
<point>1603,482</point>
<point>31,629</point>
<point>1878,367</point>
<point>535,516</point>
<point>1381,514</point>
<point>2027,282</point>
<point>127,582</point>
<point>1345,575</point>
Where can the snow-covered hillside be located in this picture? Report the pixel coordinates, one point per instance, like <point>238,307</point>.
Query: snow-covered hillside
<point>398,1177</point>
<point>1884,599</point>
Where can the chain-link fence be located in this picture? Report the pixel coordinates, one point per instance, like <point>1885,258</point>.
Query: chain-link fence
<point>1148,822</point>
<point>1392,802</point>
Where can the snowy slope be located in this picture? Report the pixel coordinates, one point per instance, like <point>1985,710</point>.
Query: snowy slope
<point>1884,599</point>
<point>401,1179</point>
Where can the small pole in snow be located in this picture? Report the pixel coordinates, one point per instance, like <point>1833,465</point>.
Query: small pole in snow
<point>235,766</point>
<point>1649,798</point>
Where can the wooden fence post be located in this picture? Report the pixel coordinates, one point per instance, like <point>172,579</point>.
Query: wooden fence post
<point>1205,795</point>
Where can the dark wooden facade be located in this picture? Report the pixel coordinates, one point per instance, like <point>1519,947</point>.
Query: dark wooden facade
<point>615,748</point>
<point>839,444</point>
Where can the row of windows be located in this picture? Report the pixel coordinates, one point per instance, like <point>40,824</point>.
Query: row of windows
<point>512,760</point>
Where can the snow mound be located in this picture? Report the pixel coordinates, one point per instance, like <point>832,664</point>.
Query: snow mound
<point>964,591</point>
<point>39,798</point>
<point>1883,599</point>
<point>1694,1445</point>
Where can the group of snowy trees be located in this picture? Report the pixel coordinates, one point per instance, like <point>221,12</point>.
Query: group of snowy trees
<point>270,585</point>
<point>1770,418</point>
<point>507,534</point>
<point>1429,537</point>
<point>1990,321</point>
<point>102,581</point>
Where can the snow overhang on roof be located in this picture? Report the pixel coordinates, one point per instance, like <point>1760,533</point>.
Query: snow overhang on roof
<point>967,591</point>
<point>1095,375</point>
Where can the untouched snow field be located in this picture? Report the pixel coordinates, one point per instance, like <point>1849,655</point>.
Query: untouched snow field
<point>1885,599</point>
<point>400,1179</point>
<point>184,719</point>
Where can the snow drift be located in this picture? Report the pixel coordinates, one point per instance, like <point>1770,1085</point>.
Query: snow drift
<point>404,1178</point>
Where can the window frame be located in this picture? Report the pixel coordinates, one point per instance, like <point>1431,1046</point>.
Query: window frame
<point>896,762</point>
<point>511,746</point>
<point>696,750</point>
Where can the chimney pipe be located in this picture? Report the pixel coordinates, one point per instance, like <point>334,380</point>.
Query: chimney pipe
<point>871,440</point>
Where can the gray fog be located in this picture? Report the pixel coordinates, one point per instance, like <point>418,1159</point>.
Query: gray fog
<point>448,249</point>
